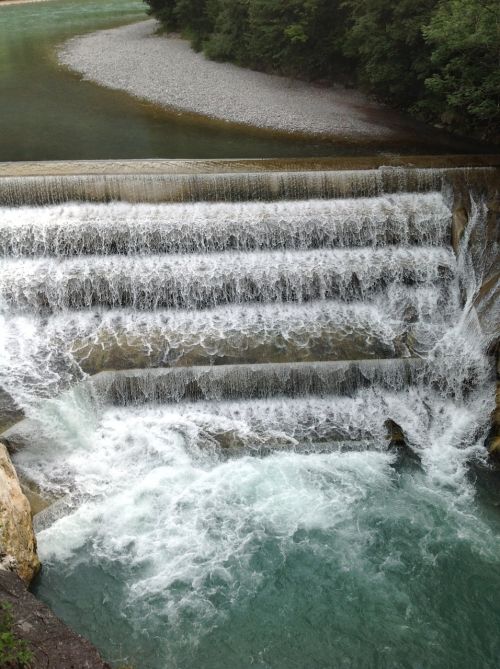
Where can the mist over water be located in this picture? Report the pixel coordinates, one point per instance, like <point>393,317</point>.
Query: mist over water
<point>232,496</point>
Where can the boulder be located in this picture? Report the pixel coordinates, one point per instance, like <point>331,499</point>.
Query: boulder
<point>17,539</point>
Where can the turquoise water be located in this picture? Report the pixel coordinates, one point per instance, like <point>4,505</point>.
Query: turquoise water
<point>257,515</point>
<point>181,559</point>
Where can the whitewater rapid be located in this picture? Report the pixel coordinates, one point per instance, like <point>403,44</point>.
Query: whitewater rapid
<point>214,393</point>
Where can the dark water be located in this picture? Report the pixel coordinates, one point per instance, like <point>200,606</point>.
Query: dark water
<point>48,113</point>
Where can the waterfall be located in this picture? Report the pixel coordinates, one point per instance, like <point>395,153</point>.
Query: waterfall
<point>239,187</point>
<point>335,282</point>
<point>218,369</point>
<point>120,228</point>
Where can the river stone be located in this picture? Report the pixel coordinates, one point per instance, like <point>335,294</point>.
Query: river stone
<point>17,539</point>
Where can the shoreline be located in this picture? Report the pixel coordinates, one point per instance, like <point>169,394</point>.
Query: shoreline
<point>4,3</point>
<point>133,59</point>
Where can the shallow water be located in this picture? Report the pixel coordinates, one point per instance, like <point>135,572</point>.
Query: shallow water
<point>48,113</point>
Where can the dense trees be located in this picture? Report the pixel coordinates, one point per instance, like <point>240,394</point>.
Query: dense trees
<point>464,81</point>
<point>439,60</point>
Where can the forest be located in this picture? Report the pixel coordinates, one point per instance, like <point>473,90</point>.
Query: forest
<point>440,61</point>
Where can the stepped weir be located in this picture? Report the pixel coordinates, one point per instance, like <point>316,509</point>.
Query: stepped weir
<point>246,308</point>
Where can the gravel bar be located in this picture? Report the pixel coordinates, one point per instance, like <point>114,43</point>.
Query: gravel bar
<point>165,70</point>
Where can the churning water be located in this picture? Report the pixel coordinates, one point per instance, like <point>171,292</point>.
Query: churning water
<point>231,496</point>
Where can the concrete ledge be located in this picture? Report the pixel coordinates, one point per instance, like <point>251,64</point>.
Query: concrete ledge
<point>227,181</point>
<point>225,166</point>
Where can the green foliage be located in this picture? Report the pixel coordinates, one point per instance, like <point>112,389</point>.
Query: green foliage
<point>164,11</point>
<point>14,652</point>
<point>300,37</point>
<point>297,36</point>
<point>440,60</point>
<point>385,39</point>
<point>228,40</point>
<point>464,87</point>
<point>195,19</point>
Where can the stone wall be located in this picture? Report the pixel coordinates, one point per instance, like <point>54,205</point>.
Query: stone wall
<point>483,245</point>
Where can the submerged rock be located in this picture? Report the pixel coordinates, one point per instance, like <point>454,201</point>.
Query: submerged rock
<point>17,539</point>
<point>399,444</point>
<point>459,223</point>
<point>10,413</point>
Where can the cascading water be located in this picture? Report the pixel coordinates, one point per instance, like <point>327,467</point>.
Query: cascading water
<point>229,493</point>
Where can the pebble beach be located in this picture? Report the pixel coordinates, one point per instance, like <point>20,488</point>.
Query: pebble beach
<point>166,71</point>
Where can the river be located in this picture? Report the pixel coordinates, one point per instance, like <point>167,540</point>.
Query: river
<point>49,113</point>
<point>241,505</point>
<point>228,493</point>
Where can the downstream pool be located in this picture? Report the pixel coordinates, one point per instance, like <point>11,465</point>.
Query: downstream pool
<point>48,113</point>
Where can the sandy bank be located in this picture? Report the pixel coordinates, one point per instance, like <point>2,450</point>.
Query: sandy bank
<point>166,71</point>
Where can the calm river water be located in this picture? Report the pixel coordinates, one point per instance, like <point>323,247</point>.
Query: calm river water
<point>48,113</point>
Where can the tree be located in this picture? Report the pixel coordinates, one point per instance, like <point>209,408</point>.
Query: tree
<point>439,60</point>
<point>385,38</point>
<point>229,38</point>
<point>164,11</point>
<point>463,90</point>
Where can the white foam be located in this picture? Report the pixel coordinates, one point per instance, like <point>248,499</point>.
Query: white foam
<point>179,514</point>
<point>201,280</point>
<point>141,228</point>
<point>154,496</point>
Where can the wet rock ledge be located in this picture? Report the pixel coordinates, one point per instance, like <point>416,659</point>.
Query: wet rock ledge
<point>52,643</point>
<point>17,539</point>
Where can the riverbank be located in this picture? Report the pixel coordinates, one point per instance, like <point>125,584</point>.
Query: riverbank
<point>49,642</point>
<point>166,71</point>
<point>3,3</point>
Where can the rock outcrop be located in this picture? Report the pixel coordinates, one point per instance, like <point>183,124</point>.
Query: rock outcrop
<point>483,244</point>
<point>494,441</point>
<point>52,643</point>
<point>17,539</point>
